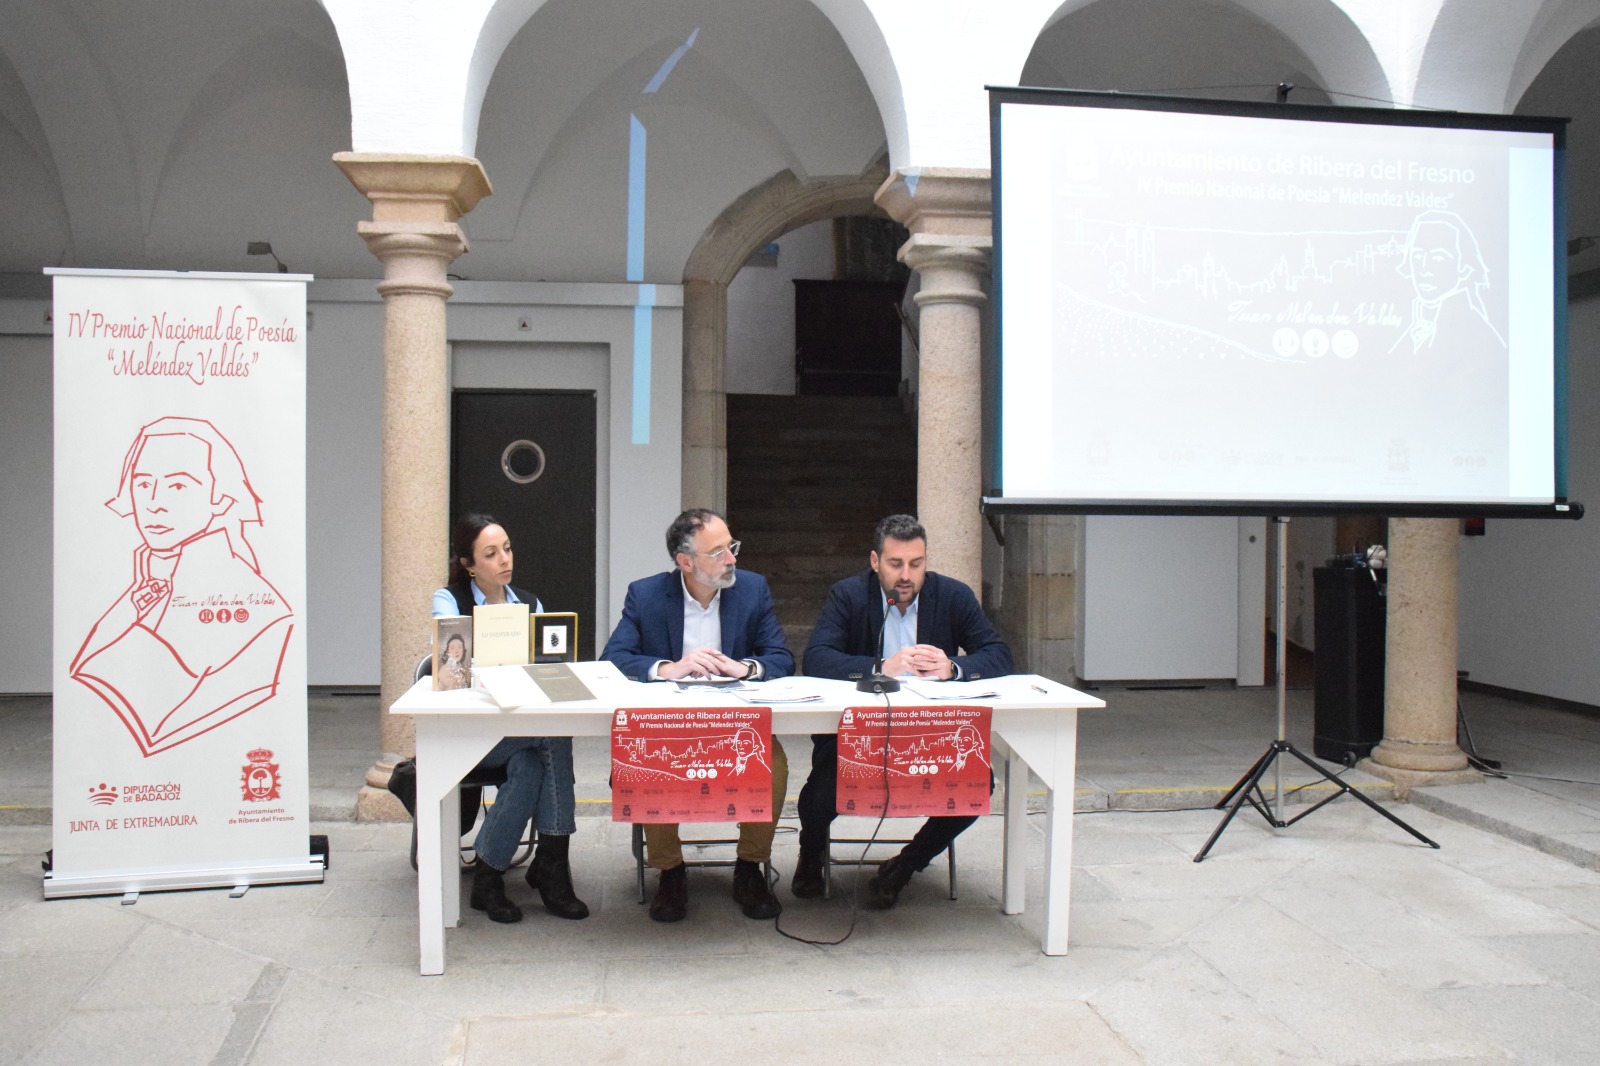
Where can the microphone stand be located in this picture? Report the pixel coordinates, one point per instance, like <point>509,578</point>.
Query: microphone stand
<point>878,682</point>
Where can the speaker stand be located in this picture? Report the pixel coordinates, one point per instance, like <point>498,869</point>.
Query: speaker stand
<point>1248,788</point>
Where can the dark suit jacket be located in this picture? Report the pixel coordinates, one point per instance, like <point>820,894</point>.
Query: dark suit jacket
<point>845,641</point>
<point>651,628</point>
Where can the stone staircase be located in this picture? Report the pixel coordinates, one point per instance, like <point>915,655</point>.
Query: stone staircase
<point>808,479</point>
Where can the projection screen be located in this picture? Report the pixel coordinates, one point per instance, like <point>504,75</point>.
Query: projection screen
<point>1235,308</point>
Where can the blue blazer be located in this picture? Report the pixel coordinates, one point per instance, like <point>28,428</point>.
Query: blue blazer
<point>651,628</point>
<point>845,642</point>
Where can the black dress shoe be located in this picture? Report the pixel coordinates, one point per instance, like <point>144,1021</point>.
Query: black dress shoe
<point>807,882</point>
<point>672,895</point>
<point>750,891</point>
<point>551,875</point>
<point>884,888</point>
<point>489,895</point>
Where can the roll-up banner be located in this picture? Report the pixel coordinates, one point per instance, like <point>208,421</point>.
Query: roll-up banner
<point>179,660</point>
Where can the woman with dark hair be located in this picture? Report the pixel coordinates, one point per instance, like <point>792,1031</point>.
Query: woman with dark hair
<point>539,779</point>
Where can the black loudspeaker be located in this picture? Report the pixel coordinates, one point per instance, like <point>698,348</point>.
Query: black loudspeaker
<point>1349,621</point>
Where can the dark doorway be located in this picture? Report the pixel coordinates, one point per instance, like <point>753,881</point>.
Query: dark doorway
<point>528,457</point>
<point>847,338</point>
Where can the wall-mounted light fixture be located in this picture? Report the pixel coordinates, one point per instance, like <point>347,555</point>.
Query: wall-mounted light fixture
<point>265,248</point>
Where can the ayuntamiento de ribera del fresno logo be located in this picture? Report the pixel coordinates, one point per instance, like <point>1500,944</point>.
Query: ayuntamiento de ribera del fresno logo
<point>260,777</point>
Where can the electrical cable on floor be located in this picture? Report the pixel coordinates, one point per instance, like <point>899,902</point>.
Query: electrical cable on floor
<point>827,858</point>
<point>1349,765</point>
<point>1544,777</point>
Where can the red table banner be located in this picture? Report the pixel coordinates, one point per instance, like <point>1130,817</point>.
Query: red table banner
<point>938,761</point>
<point>691,764</point>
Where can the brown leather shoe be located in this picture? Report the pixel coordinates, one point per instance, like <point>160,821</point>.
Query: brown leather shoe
<point>750,891</point>
<point>807,882</point>
<point>884,888</point>
<point>672,895</point>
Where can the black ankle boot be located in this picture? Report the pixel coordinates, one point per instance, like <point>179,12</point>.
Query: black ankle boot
<point>489,894</point>
<point>551,874</point>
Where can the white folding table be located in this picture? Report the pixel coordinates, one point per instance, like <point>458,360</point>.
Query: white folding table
<point>1035,727</point>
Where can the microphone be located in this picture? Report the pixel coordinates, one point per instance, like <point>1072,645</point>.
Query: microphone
<point>878,682</point>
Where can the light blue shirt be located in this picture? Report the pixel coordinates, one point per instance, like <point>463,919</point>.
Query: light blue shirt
<point>899,630</point>
<point>444,604</point>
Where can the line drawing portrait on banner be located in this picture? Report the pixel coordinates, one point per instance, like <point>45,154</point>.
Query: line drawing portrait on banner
<point>747,746</point>
<point>968,742</point>
<point>684,758</point>
<point>198,637</point>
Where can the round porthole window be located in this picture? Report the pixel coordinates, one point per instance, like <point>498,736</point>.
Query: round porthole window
<point>522,462</point>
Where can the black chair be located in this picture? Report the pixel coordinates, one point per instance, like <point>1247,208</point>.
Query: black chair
<point>403,783</point>
<point>702,842</point>
<point>827,867</point>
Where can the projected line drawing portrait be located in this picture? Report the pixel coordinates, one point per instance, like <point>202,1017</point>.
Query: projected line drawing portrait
<point>198,636</point>
<point>1449,278</point>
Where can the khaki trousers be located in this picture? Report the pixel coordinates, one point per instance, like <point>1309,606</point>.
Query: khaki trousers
<point>664,848</point>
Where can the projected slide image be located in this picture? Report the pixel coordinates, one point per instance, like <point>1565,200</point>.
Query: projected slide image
<point>1275,297</point>
<point>1351,290</point>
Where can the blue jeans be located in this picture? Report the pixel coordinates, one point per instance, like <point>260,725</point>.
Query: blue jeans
<point>538,788</point>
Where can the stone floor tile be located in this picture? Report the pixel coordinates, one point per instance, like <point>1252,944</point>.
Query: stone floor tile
<point>1342,1009</point>
<point>1177,1009</point>
<point>91,926</point>
<point>1549,1025</point>
<point>1419,948</point>
<point>320,1021</point>
<point>1045,1033</point>
<point>167,967</point>
<point>38,993</point>
<point>807,981</point>
<point>135,1036</point>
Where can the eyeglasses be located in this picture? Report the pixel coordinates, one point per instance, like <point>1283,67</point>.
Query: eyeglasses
<point>731,551</point>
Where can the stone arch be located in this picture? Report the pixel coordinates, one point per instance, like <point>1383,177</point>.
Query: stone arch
<point>1482,56</point>
<point>771,209</point>
<point>1336,50</point>
<point>862,35</point>
<point>1565,21</point>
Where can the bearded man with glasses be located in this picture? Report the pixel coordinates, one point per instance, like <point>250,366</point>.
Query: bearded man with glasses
<point>705,620</point>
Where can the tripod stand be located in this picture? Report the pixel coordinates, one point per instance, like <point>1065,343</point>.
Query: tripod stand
<point>1248,787</point>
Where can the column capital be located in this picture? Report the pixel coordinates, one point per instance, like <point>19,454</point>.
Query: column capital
<point>951,267</point>
<point>414,255</point>
<point>947,200</point>
<point>416,188</point>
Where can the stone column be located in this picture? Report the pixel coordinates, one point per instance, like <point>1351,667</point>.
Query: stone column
<point>947,212</point>
<point>705,400</point>
<point>416,202</point>
<point>1419,727</point>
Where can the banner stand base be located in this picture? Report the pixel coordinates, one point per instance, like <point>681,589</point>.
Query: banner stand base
<point>58,886</point>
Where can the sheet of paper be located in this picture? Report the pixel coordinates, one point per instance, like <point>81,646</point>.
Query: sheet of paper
<point>783,690</point>
<point>510,686</point>
<point>951,690</point>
